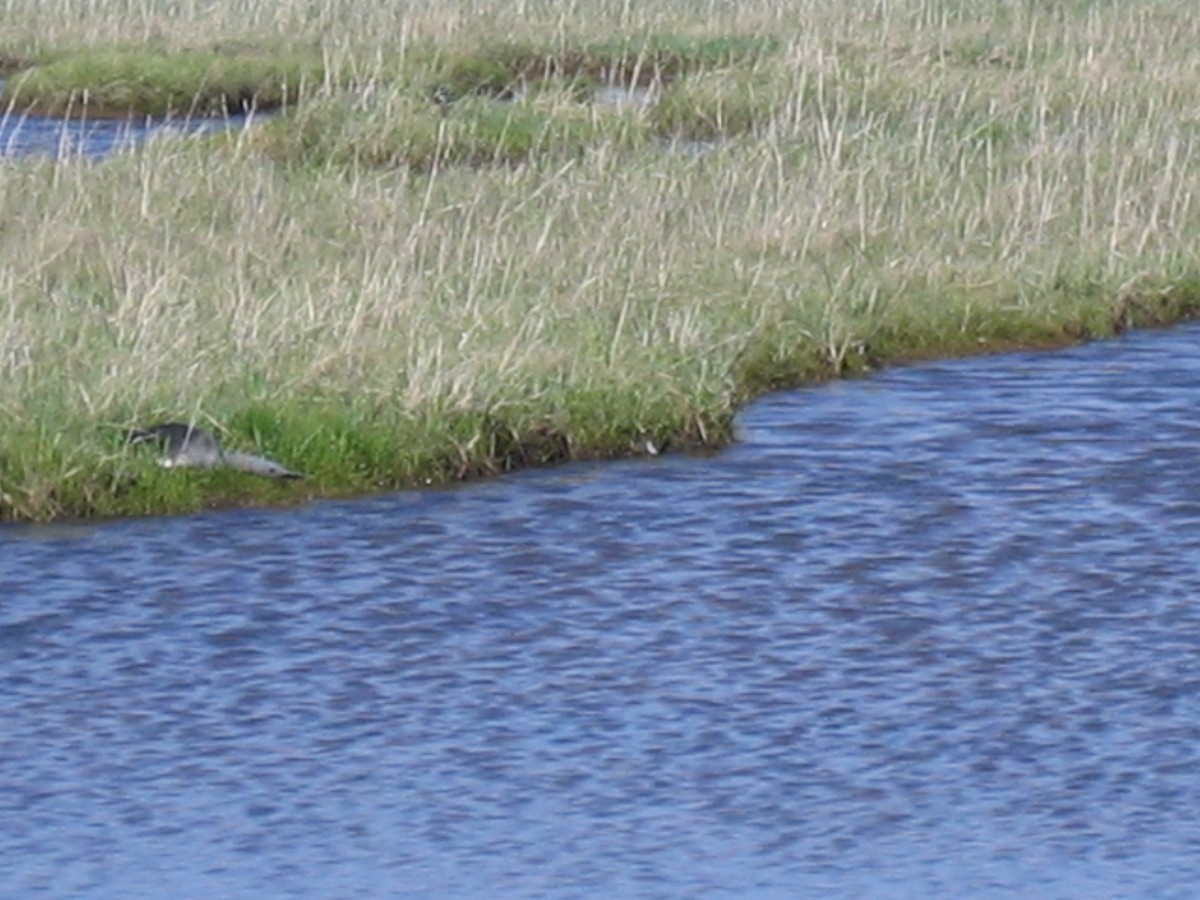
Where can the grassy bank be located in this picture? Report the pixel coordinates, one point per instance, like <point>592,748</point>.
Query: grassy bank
<point>376,311</point>
<point>148,81</point>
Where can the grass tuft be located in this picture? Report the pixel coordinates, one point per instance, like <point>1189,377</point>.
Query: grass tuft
<point>398,129</point>
<point>126,82</point>
<point>506,69</point>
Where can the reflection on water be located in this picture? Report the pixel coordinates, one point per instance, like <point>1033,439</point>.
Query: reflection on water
<point>932,633</point>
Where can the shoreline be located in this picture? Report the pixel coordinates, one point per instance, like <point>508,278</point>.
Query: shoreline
<point>208,490</point>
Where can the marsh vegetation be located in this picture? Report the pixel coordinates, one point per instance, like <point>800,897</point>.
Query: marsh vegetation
<point>443,258</point>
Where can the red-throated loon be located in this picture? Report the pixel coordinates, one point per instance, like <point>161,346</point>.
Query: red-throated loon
<point>187,445</point>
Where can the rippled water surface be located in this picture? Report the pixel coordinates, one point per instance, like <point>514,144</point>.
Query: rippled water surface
<point>935,633</point>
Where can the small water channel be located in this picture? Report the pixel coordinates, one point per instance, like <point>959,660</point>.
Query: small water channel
<point>932,633</point>
<point>56,138</point>
<point>25,135</point>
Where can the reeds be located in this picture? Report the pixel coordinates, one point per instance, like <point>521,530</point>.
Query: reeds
<point>927,179</point>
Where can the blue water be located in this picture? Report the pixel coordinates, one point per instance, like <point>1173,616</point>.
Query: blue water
<point>41,136</point>
<point>934,633</point>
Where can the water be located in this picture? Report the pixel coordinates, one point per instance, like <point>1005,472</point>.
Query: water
<point>95,139</point>
<point>29,135</point>
<point>933,633</point>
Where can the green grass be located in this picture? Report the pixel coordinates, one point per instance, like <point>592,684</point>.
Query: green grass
<point>380,290</point>
<point>711,106</point>
<point>502,69</point>
<point>115,83</point>
<point>392,129</point>
<point>229,78</point>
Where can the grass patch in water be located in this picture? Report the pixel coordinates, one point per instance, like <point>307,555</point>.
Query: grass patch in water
<point>506,69</point>
<point>125,82</point>
<point>496,102</point>
<point>400,129</point>
<point>505,102</point>
<point>708,106</point>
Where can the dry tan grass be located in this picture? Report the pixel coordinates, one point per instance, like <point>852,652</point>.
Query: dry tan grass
<point>943,175</point>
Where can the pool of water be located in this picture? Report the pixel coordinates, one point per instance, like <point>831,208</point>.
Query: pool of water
<point>936,632</point>
<point>57,138</point>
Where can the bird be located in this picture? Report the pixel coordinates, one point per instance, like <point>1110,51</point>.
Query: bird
<point>186,445</point>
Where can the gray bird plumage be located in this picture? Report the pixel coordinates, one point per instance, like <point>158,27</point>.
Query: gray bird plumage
<point>187,445</point>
